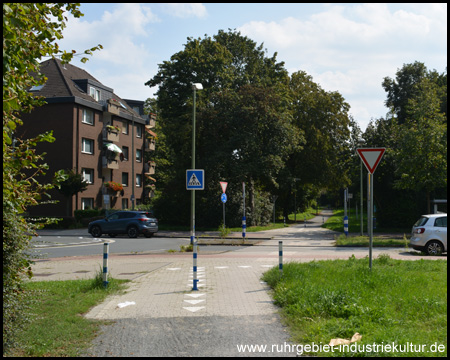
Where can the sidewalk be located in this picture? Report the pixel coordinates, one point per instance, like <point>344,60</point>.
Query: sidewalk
<point>260,235</point>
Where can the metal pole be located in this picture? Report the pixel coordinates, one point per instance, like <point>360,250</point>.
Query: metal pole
<point>223,216</point>
<point>295,206</point>
<point>244,220</point>
<point>280,256</point>
<point>105,264</point>
<point>370,220</point>
<point>361,196</point>
<point>193,242</point>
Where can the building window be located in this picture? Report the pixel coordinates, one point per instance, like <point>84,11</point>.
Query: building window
<point>94,93</point>
<point>125,152</point>
<point>87,203</point>
<point>124,203</point>
<point>125,127</point>
<point>138,155</point>
<point>138,180</point>
<point>87,146</point>
<point>138,131</point>
<point>88,117</point>
<point>125,179</point>
<point>88,175</point>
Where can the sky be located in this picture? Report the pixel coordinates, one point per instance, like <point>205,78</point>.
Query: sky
<point>349,48</point>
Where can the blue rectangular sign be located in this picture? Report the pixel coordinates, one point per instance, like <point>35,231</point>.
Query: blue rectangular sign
<point>195,179</point>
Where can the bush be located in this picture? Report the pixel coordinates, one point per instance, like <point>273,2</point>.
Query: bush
<point>89,213</point>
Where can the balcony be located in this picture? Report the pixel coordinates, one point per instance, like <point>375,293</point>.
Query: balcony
<point>149,145</point>
<point>152,121</point>
<point>110,162</point>
<point>111,133</point>
<point>112,107</point>
<point>149,168</point>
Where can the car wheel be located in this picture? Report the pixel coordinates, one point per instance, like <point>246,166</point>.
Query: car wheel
<point>132,232</point>
<point>96,231</point>
<point>434,248</point>
<point>149,235</point>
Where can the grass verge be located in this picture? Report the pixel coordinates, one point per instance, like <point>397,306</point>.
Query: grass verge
<point>398,303</point>
<point>363,241</point>
<point>336,223</point>
<point>57,327</point>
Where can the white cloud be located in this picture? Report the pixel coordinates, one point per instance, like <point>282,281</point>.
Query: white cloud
<point>122,32</point>
<point>185,10</point>
<point>351,48</point>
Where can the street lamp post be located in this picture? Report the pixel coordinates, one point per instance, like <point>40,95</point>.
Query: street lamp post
<point>195,87</point>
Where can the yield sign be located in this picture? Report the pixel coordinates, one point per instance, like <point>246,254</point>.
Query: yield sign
<point>371,157</point>
<point>224,186</point>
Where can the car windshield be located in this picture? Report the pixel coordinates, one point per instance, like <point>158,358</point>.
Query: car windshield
<point>421,222</point>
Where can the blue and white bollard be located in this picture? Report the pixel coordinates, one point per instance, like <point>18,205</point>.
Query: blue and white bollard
<point>105,264</point>
<point>280,256</point>
<point>244,226</point>
<point>194,269</point>
<point>305,220</point>
<point>346,225</point>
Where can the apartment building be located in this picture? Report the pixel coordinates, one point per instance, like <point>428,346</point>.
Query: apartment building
<point>98,134</point>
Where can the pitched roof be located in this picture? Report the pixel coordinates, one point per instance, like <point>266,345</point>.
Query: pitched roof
<point>67,80</point>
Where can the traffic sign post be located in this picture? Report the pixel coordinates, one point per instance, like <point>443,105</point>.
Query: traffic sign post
<point>195,179</point>
<point>244,220</point>
<point>223,197</point>
<point>371,158</point>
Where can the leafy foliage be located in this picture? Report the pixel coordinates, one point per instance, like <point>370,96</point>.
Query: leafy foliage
<point>29,33</point>
<point>251,125</point>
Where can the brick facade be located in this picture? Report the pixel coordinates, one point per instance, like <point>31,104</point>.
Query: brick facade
<point>78,118</point>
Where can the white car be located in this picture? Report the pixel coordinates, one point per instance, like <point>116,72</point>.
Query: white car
<point>429,234</point>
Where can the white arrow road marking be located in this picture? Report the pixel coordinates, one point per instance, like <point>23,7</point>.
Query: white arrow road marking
<point>194,302</point>
<point>195,295</point>
<point>220,267</point>
<point>267,266</point>
<point>194,308</point>
<point>174,269</point>
<point>245,267</point>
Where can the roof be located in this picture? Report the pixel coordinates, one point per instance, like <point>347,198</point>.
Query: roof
<point>66,82</point>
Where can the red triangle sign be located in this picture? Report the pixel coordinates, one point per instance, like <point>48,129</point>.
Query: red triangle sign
<point>224,186</point>
<point>371,157</point>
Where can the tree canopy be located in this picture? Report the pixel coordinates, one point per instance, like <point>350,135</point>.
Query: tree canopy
<point>253,121</point>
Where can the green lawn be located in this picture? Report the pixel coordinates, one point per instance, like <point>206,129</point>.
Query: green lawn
<point>57,327</point>
<point>336,223</point>
<point>397,302</point>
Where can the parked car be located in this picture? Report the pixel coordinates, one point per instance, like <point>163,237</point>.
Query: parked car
<point>429,234</point>
<point>131,223</point>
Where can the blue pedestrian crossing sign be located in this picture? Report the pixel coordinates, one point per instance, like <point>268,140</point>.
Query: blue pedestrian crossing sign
<point>224,198</point>
<point>195,179</point>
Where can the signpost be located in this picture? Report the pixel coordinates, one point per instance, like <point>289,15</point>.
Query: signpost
<point>195,180</point>
<point>371,158</point>
<point>223,197</point>
<point>244,220</point>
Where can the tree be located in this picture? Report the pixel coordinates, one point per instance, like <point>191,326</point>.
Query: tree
<point>421,142</point>
<point>322,118</point>
<point>403,88</point>
<point>74,184</point>
<point>29,33</point>
<point>236,72</point>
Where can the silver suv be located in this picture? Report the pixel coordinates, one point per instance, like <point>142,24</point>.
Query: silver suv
<point>429,234</point>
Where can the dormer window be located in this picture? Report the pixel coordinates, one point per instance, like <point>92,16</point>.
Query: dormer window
<point>95,93</point>
<point>37,87</point>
